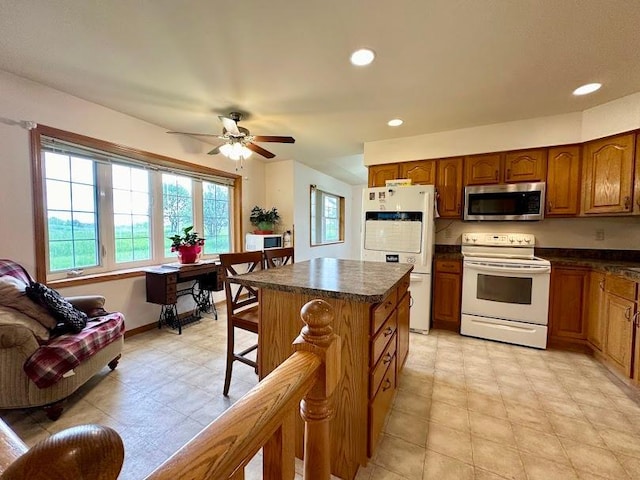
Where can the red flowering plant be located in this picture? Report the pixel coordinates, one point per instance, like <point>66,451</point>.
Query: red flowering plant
<point>189,239</point>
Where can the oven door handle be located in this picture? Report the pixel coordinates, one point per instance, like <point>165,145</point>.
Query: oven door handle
<point>506,269</point>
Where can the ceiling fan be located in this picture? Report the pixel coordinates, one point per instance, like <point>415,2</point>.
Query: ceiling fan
<point>239,143</point>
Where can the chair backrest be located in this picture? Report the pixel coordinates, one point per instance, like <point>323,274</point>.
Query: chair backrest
<point>277,257</point>
<point>243,296</point>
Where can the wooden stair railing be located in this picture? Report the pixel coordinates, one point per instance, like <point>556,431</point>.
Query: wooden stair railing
<point>263,418</point>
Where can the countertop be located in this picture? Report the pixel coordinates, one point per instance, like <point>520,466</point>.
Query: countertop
<point>355,280</point>
<point>630,270</point>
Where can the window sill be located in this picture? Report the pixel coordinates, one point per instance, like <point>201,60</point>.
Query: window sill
<point>98,277</point>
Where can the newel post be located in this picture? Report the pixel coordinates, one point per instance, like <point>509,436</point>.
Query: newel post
<point>316,407</point>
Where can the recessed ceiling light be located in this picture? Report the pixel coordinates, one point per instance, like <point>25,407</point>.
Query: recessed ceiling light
<point>586,89</point>
<point>396,122</point>
<point>362,57</point>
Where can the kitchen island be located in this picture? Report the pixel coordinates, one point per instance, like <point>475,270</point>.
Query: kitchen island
<point>371,307</point>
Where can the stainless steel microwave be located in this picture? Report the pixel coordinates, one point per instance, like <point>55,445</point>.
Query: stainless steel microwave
<point>515,201</point>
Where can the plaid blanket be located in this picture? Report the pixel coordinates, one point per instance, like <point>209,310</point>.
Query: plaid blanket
<point>13,269</point>
<point>64,353</point>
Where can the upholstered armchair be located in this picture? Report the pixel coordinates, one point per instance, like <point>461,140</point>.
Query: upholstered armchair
<point>38,367</point>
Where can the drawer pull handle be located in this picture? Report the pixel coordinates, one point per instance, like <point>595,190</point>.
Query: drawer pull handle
<point>627,314</point>
<point>458,207</point>
<point>387,385</point>
<point>388,331</point>
<point>508,173</point>
<point>602,284</point>
<point>627,203</point>
<point>387,359</point>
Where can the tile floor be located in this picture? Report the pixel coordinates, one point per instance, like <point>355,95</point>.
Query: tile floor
<point>465,409</point>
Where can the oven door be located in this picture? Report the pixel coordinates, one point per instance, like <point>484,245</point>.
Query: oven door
<point>508,291</point>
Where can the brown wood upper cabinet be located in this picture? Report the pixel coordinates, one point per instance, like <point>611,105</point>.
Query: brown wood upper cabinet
<point>608,175</point>
<point>379,174</point>
<point>421,172</point>
<point>563,181</point>
<point>483,169</point>
<point>525,166</point>
<point>449,186</point>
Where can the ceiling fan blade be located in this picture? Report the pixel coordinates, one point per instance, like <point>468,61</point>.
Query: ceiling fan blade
<point>229,125</point>
<point>215,151</point>
<point>271,138</point>
<point>197,134</point>
<point>258,149</point>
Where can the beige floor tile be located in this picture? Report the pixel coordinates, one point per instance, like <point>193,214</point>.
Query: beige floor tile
<point>487,404</point>
<point>576,430</point>
<point>453,396</point>
<point>379,473</point>
<point>497,458</point>
<point>565,407</point>
<point>622,442</point>
<point>540,444</point>
<point>593,397</point>
<point>441,467</point>
<point>450,416</point>
<point>412,404</point>
<point>631,465</point>
<point>450,442</point>
<point>492,428</point>
<point>482,474</point>
<point>408,427</point>
<point>528,417</point>
<point>605,418</point>
<point>594,460</point>
<point>400,457</point>
<point>538,468</point>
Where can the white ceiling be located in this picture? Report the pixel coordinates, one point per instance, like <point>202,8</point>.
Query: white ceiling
<point>441,64</point>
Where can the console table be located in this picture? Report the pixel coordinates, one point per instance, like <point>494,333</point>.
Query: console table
<point>162,289</point>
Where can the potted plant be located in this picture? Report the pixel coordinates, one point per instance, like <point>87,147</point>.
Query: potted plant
<point>188,246</point>
<point>264,220</point>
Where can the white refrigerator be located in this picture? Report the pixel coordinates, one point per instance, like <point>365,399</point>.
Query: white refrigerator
<point>398,227</point>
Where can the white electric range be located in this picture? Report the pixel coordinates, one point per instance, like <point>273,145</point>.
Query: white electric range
<point>505,289</point>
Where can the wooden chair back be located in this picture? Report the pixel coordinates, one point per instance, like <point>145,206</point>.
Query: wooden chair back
<point>277,257</point>
<point>243,296</point>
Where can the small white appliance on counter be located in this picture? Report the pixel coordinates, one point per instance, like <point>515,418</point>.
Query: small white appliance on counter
<point>505,289</point>
<point>398,228</point>
<point>261,242</point>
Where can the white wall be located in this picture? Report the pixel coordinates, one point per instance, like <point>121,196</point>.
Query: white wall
<point>24,100</point>
<point>303,177</point>
<point>279,187</point>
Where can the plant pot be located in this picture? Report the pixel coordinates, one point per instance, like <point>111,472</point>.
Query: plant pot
<point>265,227</point>
<point>263,232</point>
<point>189,253</point>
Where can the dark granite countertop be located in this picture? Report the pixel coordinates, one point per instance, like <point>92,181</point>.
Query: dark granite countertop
<point>630,270</point>
<point>354,280</point>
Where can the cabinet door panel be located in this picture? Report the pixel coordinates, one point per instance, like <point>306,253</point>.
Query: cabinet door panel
<point>608,175</point>
<point>379,174</point>
<point>449,186</point>
<point>525,166</point>
<point>403,329</point>
<point>483,169</point>
<point>619,312</point>
<point>422,172</point>
<point>569,287</point>
<point>447,291</point>
<point>596,325</point>
<point>636,188</point>
<point>563,181</point>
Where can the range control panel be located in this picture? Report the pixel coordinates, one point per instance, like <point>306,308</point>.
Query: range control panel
<point>499,239</point>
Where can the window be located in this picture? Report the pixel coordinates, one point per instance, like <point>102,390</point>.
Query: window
<point>327,217</point>
<point>105,207</point>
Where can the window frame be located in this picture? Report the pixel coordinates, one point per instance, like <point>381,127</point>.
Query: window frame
<point>176,166</point>
<point>316,222</point>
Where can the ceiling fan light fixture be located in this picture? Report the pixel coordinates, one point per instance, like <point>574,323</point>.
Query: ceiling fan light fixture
<point>226,149</point>
<point>362,57</point>
<point>587,89</point>
<point>396,122</point>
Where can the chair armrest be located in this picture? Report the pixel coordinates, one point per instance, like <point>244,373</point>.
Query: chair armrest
<point>86,303</point>
<point>20,338</point>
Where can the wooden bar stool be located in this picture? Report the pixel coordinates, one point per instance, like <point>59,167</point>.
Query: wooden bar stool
<point>242,307</point>
<point>277,257</point>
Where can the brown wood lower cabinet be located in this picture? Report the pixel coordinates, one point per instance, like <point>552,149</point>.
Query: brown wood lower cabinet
<point>596,325</point>
<point>447,292</point>
<point>619,312</point>
<point>567,304</point>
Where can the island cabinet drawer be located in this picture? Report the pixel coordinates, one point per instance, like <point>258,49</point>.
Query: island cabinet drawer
<point>382,338</point>
<point>621,287</point>
<point>380,404</point>
<point>382,311</point>
<point>379,371</point>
